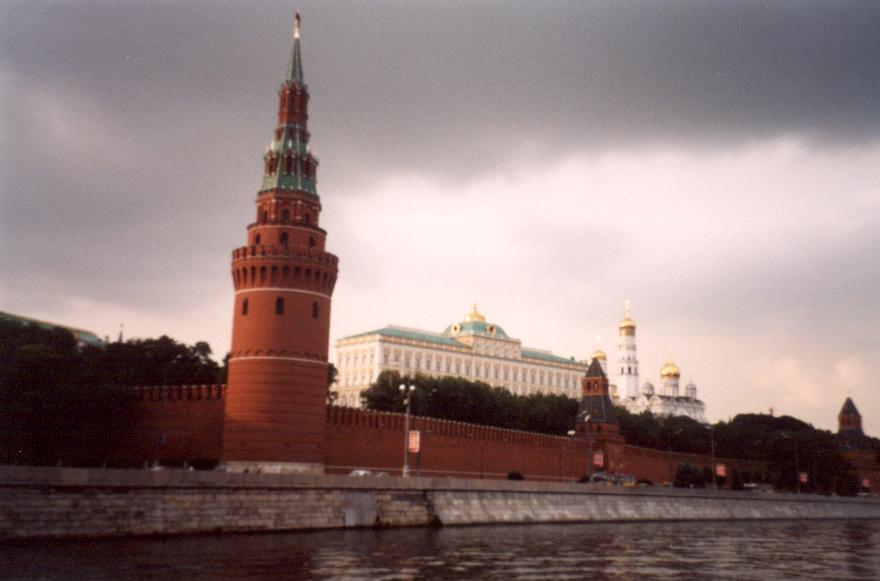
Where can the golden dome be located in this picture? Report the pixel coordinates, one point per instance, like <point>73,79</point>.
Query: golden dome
<point>474,315</point>
<point>670,370</point>
<point>598,354</point>
<point>627,322</point>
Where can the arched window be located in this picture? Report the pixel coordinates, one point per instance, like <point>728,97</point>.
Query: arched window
<point>284,240</point>
<point>279,306</point>
<point>308,219</point>
<point>315,310</point>
<point>311,241</point>
<point>257,239</point>
<point>629,369</point>
<point>286,216</point>
<point>244,307</point>
<point>265,215</point>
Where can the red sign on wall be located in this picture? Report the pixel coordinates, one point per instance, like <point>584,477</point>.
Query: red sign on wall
<point>866,483</point>
<point>803,477</point>
<point>721,470</point>
<point>598,459</point>
<point>414,441</point>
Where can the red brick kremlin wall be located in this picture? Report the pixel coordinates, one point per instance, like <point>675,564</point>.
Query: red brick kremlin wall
<point>184,424</point>
<point>181,423</point>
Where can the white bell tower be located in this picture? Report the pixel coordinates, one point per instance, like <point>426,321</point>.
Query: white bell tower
<point>628,362</point>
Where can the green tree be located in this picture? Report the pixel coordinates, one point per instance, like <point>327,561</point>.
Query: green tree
<point>57,400</point>
<point>454,398</point>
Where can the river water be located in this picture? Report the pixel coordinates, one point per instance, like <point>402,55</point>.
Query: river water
<point>702,550</point>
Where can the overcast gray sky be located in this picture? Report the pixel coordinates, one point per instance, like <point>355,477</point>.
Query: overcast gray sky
<point>714,162</point>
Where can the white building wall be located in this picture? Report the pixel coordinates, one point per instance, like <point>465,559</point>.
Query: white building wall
<point>362,360</point>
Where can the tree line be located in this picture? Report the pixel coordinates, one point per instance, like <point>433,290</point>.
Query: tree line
<point>454,398</point>
<point>787,446</point>
<point>53,391</point>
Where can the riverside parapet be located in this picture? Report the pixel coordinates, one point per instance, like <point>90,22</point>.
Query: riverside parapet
<point>37,502</point>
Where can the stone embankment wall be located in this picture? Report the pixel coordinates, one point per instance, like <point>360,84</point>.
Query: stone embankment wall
<point>71,502</point>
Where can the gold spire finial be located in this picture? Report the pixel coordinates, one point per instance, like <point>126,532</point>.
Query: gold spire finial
<point>296,27</point>
<point>627,325</point>
<point>597,351</point>
<point>474,315</point>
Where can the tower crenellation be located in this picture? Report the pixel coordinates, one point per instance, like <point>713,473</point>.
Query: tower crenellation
<point>283,279</point>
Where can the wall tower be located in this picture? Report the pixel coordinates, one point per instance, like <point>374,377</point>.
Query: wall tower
<point>284,279</point>
<point>849,419</point>
<point>627,363</point>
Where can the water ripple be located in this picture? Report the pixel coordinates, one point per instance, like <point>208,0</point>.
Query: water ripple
<point>702,550</point>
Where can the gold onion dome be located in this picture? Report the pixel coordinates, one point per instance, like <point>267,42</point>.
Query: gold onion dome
<point>627,323</point>
<point>598,354</point>
<point>474,315</point>
<point>670,370</point>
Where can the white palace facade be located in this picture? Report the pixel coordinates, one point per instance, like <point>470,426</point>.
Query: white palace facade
<point>471,349</point>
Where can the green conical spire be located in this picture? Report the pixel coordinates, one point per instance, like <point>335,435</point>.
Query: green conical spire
<point>294,68</point>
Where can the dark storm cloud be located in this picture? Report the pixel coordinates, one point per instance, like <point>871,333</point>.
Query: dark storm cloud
<point>134,129</point>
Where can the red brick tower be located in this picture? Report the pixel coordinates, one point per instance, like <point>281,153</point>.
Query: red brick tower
<point>277,386</point>
<point>849,419</point>
<point>596,421</point>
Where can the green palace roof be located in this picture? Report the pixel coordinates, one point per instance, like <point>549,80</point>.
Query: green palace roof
<point>531,354</point>
<point>474,324</point>
<point>412,335</point>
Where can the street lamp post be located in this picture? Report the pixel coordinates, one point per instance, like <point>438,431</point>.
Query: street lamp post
<point>406,391</point>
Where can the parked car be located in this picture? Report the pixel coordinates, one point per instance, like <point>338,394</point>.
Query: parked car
<point>598,477</point>
<point>364,472</point>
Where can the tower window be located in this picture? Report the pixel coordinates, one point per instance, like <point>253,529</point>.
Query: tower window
<point>311,241</point>
<point>308,219</point>
<point>279,306</point>
<point>265,216</point>
<point>244,307</point>
<point>286,216</point>
<point>257,239</point>
<point>284,239</point>
<point>315,310</point>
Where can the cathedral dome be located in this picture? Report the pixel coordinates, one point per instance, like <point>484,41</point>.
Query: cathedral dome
<point>627,324</point>
<point>670,370</point>
<point>598,354</point>
<point>647,388</point>
<point>475,324</point>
